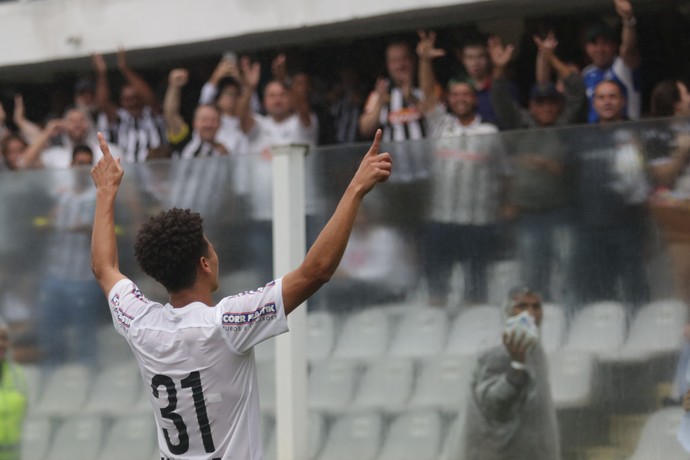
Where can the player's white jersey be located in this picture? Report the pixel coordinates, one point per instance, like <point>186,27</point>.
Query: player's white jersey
<point>198,366</point>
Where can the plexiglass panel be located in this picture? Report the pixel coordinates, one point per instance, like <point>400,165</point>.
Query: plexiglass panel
<point>405,342</point>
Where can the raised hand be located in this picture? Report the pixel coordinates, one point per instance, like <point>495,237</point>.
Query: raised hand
<point>107,174</point>
<point>19,112</point>
<point>500,55</point>
<point>375,167</point>
<point>624,9</point>
<point>224,69</point>
<point>382,88</point>
<point>516,346</point>
<point>98,63</point>
<point>54,127</point>
<point>251,72</point>
<point>121,58</point>
<point>178,78</point>
<point>279,67</point>
<point>547,44</point>
<point>426,46</point>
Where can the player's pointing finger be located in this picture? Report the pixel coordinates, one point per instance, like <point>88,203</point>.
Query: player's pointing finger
<point>374,149</point>
<point>104,145</point>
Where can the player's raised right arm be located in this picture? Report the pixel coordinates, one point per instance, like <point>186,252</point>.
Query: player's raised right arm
<point>107,175</point>
<point>325,254</point>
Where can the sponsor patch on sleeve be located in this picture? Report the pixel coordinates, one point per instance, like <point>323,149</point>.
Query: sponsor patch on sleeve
<point>263,313</point>
<point>123,318</point>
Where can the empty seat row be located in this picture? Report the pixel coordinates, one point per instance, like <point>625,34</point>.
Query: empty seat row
<point>396,385</point>
<point>90,437</point>
<point>600,328</point>
<point>75,388</point>
<point>421,435</point>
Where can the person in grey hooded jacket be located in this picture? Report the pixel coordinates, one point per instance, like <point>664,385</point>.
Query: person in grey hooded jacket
<point>510,414</point>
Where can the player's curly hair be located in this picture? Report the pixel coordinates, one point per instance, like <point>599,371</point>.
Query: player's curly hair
<point>169,246</point>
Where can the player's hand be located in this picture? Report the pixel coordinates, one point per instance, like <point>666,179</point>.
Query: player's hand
<point>107,174</point>
<point>375,167</point>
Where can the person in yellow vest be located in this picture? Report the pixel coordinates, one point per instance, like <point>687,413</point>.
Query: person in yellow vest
<point>13,399</point>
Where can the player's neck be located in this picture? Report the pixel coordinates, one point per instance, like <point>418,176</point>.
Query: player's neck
<point>194,294</point>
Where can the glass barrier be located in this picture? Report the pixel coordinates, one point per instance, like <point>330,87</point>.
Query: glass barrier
<point>405,342</point>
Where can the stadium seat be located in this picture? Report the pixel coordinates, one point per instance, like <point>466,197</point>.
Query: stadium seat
<point>115,390</point>
<point>78,438</point>
<point>414,436</point>
<point>571,376</point>
<point>421,332</point>
<point>354,436</point>
<point>34,381</point>
<point>320,335</point>
<point>553,327</point>
<point>386,386</point>
<point>317,431</point>
<point>659,437</point>
<point>142,405</point>
<point>452,441</point>
<point>598,328</point>
<point>474,330</point>
<point>36,437</point>
<point>66,390</point>
<point>131,437</point>
<point>112,347</point>
<point>443,384</point>
<point>332,385</point>
<point>365,336</point>
<point>656,331</point>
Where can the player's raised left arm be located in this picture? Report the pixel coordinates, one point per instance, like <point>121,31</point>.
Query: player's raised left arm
<point>325,254</point>
<point>107,175</point>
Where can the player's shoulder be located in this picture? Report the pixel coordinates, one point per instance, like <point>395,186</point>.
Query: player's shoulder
<point>126,286</point>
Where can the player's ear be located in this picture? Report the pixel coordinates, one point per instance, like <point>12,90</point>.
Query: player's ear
<point>204,264</point>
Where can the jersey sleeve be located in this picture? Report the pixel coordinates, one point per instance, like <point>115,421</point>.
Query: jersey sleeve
<point>249,318</point>
<point>126,303</point>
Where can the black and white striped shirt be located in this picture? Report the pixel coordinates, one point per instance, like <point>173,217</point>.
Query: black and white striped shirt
<point>135,136</point>
<point>400,119</point>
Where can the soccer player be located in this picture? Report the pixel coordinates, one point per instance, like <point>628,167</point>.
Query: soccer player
<point>195,357</point>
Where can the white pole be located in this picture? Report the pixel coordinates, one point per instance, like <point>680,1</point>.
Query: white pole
<point>289,248</point>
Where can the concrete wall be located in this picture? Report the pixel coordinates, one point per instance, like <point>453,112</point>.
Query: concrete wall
<point>45,30</point>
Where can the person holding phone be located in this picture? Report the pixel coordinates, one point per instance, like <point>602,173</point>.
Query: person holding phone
<point>510,412</point>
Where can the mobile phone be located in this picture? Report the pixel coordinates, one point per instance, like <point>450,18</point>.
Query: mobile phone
<point>230,56</point>
<point>524,327</point>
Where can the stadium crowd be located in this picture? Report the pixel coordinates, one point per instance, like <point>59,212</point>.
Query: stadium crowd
<point>578,205</point>
<point>573,179</point>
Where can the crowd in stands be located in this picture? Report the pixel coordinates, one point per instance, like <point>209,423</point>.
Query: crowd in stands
<point>232,119</point>
<point>572,200</point>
